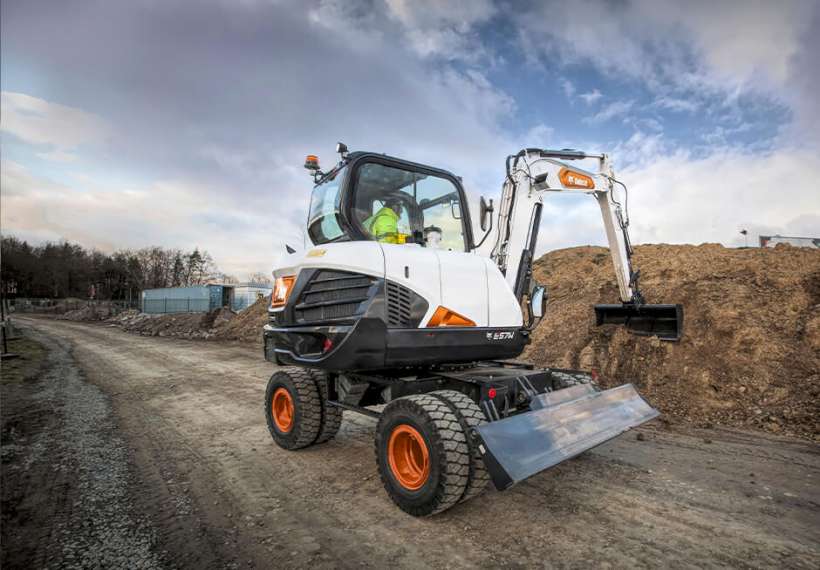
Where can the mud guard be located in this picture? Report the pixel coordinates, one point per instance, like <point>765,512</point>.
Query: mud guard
<point>662,321</point>
<point>559,426</point>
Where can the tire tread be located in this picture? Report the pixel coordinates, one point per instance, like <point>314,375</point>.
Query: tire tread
<point>306,430</point>
<point>470,416</point>
<point>449,442</point>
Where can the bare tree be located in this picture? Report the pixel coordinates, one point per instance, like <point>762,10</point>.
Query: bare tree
<point>259,277</point>
<point>68,270</point>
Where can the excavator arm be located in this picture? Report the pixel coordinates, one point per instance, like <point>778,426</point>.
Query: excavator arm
<point>533,172</point>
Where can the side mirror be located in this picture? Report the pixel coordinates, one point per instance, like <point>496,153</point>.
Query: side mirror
<point>538,302</point>
<point>484,210</point>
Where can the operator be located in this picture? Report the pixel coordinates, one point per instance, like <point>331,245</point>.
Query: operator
<point>384,226</point>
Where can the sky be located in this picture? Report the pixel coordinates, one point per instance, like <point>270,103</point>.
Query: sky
<point>185,123</point>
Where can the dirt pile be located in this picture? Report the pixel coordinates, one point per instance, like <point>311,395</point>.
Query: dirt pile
<point>247,325</point>
<point>88,313</point>
<point>182,325</point>
<point>750,354</point>
<point>128,317</point>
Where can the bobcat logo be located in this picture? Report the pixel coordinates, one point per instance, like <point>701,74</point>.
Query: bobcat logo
<point>501,335</point>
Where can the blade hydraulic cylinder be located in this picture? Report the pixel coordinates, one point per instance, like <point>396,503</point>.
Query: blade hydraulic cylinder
<point>560,425</point>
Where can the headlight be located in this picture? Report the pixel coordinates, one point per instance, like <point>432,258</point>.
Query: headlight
<point>281,291</point>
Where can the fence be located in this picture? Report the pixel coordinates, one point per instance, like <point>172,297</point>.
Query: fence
<point>159,306</point>
<point>242,301</point>
<point>62,306</point>
<point>151,306</point>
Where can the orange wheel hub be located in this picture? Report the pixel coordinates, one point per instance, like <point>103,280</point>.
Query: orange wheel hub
<point>408,457</point>
<point>282,410</point>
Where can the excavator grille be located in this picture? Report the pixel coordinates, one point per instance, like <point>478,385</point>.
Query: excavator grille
<point>332,295</point>
<point>399,305</point>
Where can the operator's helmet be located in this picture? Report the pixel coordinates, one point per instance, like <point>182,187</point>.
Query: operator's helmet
<point>394,204</point>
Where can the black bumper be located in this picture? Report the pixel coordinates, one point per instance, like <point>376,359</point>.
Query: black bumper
<point>370,345</point>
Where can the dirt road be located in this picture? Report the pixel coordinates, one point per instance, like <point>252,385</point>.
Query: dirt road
<point>213,490</point>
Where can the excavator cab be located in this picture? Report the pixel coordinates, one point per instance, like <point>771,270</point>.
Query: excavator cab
<point>371,197</point>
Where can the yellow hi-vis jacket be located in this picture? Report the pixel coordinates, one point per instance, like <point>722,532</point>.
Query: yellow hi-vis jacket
<point>384,225</point>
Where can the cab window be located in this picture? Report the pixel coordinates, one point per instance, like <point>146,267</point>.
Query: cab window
<point>323,218</point>
<point>393,205</point>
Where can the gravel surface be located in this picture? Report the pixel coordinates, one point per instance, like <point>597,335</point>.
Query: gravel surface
<point>224,495</point>
<point>75,464</point>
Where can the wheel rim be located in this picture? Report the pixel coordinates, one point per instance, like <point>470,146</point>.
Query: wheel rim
<point>408,457</point>
<point>282,410</point>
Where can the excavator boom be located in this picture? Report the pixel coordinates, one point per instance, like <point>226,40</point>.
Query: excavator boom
<point>533,172</point>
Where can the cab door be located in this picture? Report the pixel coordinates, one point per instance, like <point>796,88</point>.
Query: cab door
<point>464,285</point>
<point>416,268</point>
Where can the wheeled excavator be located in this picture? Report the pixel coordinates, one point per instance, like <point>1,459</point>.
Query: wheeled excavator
<point>396,311</point>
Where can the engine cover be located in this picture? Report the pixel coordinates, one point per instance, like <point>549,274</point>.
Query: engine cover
<point>366,306</point>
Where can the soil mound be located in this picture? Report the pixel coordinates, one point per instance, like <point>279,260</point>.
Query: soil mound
<point>750,353</point>
<point>247,325</point>
<point>184,325</point>
<point>88,313</point>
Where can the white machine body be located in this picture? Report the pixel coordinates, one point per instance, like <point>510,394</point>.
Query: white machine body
<point>463,282</point>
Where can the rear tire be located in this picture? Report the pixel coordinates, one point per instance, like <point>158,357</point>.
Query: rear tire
<point>293,408</point>
<point>331,415</point>
<point>470,416</point>
<point>422,454</point>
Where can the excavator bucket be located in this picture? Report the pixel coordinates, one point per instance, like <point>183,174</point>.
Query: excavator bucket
<point>662,321</point>
<point>559,425</point>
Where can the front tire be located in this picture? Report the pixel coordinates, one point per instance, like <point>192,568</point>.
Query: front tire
<point>293,408</point>
<point>422,454</point>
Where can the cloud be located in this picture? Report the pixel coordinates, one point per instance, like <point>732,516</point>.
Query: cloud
<point>689,53</point>
<point>611,111</point>
<point>443,29</point>
<point>40,122</point>
<point>718,135</point>
<point>220,119</point>
<point>168,213</point>
<point>183,127</point>
<point>675,198</point>
<point>666,41</point>
<point>679,199</point>
<point>803,85</point>
<point>676,104</point>
<point>591,97</point>
<point>568,88</point>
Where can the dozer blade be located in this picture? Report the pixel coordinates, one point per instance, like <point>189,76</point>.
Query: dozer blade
<point>560,425</point>
<point>662,321</point>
